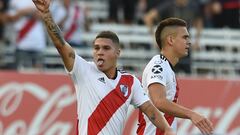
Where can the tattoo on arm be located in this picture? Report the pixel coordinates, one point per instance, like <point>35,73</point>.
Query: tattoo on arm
<point>54,30</point>
<point>71,55</point>
<point>152,115</point>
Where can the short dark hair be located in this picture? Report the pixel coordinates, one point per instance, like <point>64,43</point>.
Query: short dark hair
<point>165,23</point>
<point>110,35</point>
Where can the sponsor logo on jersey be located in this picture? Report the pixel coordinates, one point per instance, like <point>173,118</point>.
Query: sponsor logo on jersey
<point>124,90</point>
<point>157,76</point>
<point>157,69</point>
<point>101,80</point>
<point>158,62</point>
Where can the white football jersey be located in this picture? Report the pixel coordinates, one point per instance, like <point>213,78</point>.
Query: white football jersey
<point>158,70</point>
<point>34,35</point>
<point>102,103</point>
<point>74,25</point>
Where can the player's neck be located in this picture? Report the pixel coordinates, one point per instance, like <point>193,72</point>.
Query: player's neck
<point>171,58</point>
<point>111,74</point>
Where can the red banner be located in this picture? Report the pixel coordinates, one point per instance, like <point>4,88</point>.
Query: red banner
<point>45,104</point>
<point>36,104</point>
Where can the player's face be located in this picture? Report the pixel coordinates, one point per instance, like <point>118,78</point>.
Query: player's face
<point>105,54</point>
<point>181,42</point>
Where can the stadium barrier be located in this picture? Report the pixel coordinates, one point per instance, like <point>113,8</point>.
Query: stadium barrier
<point>218,55</point>
<point>45,104</point>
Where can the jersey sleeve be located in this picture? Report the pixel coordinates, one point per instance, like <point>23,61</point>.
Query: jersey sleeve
<point>139,96</point>
<point>156,73</point>
<point>79,67</point>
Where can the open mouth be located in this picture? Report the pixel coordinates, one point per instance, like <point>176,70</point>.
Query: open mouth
<point>100,62</point>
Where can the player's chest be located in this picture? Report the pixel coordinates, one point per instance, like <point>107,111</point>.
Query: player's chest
<point>102,87</point>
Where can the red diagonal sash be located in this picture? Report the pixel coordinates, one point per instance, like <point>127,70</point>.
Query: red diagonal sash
<point>109,105</point>
<point>73,26</point>
<point>25,29</point>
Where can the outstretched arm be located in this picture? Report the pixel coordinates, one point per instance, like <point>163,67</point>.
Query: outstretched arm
<point>157,93</point>
<point>64,49</point>
<point>156,117</point>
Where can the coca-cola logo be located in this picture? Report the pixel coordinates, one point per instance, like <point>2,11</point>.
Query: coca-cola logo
<point>227,122</point>
<point>45,120</point>
<point>224,120</point>
<point>31,106</point>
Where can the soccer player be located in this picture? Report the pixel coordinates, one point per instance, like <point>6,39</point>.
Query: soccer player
<point>160,82</point>
<point>103,93</point>
<point>29,37</point>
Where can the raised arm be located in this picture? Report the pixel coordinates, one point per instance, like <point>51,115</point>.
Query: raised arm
<point>156,117</point>
<point>64,49</point>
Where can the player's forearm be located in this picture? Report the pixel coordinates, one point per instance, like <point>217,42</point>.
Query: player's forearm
<point>174,109</point>
<point>31,12</point>
<point>3,18</point>
<point>53,30</point>
<point>159,121</point>
<point>26,12</point>
<point>155,116</point>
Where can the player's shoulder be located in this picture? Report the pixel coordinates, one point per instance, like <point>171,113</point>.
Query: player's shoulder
<point>158,60</point>
<point>123,72</point>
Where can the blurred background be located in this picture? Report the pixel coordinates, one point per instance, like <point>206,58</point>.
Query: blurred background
<point>36,95</point>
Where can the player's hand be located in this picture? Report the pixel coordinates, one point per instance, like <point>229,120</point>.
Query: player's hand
<point>204,125</point>
<point>42,5</point>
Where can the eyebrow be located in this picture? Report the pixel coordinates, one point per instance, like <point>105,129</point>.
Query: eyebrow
<point>186,35</point>
<point>101,45</point>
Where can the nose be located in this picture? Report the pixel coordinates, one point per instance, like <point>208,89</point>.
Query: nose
<point>100,51</point>
<point>189,42</point>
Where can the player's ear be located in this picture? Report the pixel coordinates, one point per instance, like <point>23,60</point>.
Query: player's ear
<point>170,40</point>
<point>118,52</point>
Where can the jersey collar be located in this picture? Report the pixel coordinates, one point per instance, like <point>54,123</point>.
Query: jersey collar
<point>164,58</point>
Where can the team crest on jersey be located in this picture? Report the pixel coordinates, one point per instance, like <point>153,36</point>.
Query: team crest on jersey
<point>157,69</point>
<point>124,90</point>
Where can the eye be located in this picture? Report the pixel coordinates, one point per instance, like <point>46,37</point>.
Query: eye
<point>96,47</point>
<point>186,37</point>
<point>106,47</point>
